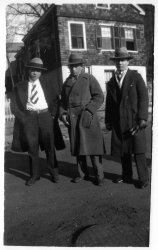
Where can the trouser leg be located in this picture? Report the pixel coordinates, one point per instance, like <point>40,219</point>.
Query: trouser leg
<point>97,166</point>
<point>34,167</point>
<point>52,164</point>
<point>31,132</point>
<point>142,169</point>
<point>82,166</point>
<point>46,124</point>
<point>127,172</point>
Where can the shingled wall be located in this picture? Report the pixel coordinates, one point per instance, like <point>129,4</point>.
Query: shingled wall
<point>120,14</point>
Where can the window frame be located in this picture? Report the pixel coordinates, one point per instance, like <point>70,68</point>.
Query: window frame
<point>108,71</point>
<point>121,37</point>
<point>111,32</point>
<point>133,40</point>
<point>84,36</point>
<point>103,7</point>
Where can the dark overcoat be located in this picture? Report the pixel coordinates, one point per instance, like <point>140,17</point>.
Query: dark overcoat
<point>18,107</point>
<point>124,108</point>
<point>84,93</point>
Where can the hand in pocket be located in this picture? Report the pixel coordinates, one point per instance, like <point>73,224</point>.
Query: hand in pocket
<point>86,119</point>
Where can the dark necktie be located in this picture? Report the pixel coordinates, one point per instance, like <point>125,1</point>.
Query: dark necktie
<point>34,95</point>
<point>119,76</point>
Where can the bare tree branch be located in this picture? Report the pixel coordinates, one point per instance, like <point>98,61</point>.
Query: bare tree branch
<point>30,12</point>
<point>37,13</point>
<point>17,10</point>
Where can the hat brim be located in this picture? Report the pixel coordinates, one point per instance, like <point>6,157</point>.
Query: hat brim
<point>34,67</point>
<point>118,58</point>
<point>75,63</point>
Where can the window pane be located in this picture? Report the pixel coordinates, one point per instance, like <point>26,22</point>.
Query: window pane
<point>80,42</point>
<point>130,45</point>
<point>106,31</point>
<point>108,74</point>
<point>106,43</point>
<point>74,42</point>
<point>76,29</point>
<point>77,43</point>
<point>102,5</point>
<point>129,34</point>
<point>116,32</point>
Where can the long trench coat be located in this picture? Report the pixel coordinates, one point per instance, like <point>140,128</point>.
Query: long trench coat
<point>85,93</point>
<point>123,111</point>
<point>18,107</point>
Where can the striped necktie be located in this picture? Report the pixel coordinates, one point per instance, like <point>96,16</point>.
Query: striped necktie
<point>34,95</point>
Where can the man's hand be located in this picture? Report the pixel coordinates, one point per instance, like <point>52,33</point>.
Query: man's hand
<point>142,124</point>
<point>109,126</point>
<point>64,119</point>
<point>86,118</point>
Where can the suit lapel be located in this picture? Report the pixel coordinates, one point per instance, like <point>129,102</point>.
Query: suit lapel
<point>72,85</point>
<point>45,88</point>
<point>23,93</point>
<point>126,82</point>
<point>112,88</point>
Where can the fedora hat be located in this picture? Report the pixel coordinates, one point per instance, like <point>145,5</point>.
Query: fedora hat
<point>121,53</point>
<point>75,59</point>
<point>36,63</point>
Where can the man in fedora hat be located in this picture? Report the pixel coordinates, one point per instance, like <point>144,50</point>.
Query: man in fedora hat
<point>126,115</point>
<point>35,105</point>
<point>80,99</point>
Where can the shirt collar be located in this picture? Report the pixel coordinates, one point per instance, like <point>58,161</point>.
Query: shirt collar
<point>122,73</point>
<point>33,82</point>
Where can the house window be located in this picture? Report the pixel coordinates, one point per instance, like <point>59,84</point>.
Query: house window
<point>107,75</point>
<point>103,6</point>
<point>77,36</point>
<point>104,39</point>
<point>87,69</point>
<point>112,37</point>
<point>129,37</point>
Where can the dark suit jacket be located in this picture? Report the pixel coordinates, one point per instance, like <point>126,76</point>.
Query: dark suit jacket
<point>18,107</point>
<point>125,113</point>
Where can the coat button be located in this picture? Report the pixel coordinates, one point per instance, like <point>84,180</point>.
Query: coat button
<point>73,115</point>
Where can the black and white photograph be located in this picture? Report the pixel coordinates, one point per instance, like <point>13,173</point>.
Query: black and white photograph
<point>79,143</point>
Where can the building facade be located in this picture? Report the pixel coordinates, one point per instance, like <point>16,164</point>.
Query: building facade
<point>93,30</point>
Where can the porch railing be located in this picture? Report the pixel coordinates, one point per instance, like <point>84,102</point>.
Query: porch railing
<point>8,114</point>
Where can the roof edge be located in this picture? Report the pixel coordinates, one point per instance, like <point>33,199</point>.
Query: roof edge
<point>38,22</point>
<point>142,12</point>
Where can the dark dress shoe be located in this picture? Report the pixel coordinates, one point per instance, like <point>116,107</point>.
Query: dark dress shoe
<point>78,179</point>
<point>100,182</point>
<point>32,181</point>
<point>55,179</point>
<point>120,179</point>
<point>142,184</point>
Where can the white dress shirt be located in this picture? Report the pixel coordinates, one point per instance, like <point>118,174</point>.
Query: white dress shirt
<point>41,103</point>
<point>123,73</point>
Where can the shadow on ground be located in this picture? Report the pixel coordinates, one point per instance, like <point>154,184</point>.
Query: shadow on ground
<point>17,164</point>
